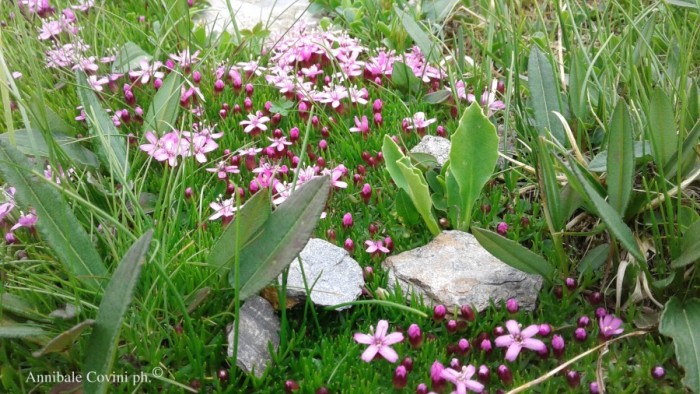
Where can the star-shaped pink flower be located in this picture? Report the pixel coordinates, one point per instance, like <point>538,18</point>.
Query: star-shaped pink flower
<point>516,340</point>
<point>379,342</point>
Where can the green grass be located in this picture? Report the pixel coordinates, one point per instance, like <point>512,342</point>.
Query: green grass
<point>317,348</point>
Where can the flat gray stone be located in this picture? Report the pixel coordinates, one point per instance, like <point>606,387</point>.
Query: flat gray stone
<point>278,15</point>
<point>258,326</point>
<point>332,275</point>
<point>437,147</point>
<point>453,269</point>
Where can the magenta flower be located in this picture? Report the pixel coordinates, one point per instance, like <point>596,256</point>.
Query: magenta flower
<point>361,126</point>
<point>462,380</point>
<point>25,220</point>
<point>516,340</point>
<point>9,204</point>
<point>347,220</point>
<point>223,208</point>
<point>379,342</point>
<point>376,246</point>
<point>419,122</point>
<point>223,169</point>
<point>255,122</point>
<point>502,228</point>
<point>610,326</point>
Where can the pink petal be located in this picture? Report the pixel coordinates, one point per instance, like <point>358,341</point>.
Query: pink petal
<point>513,351</point>
<point>363,338</point>
<point>382,327</point>
<point>450,375</point>
<point>534,344</point>
<point>531,331</point>
<point>504,341</point>
<point>394,337</point>
<point>474,386</point>
<point>389,354</point>
<point>513,327</point>
<point>369,353</point>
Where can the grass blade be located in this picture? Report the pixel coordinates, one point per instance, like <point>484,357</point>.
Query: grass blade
<point>282,237</point>
<point>547,179</point>
<point>33,143</point>
<point>545,96</point>
<point>513,254</point>
<point>10,329</point>
<point>64,340</point>
<point>109,144</point>
<point>103,341</point>
<point>56,222</point>
<point>620,163</point>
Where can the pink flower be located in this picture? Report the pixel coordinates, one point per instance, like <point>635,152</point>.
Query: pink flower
<point>201,145</point>
<point>610,326</point>
<point>224,208</point>
<point>379,342</point>
<point>152,145</point>
<point>462,380</point>
<point>279,144</point>
<point>336,174</point>
<point>347,220</point>
<point>516,340</point>
<point>185,59</point>
<point>25,220</point>
<point>376,246</point>
<point>419,122</point>
<point>361,126</point>
<point>147,71</point>
<point>223,169</point>
<point>9,204</point>
<point>255,122</point>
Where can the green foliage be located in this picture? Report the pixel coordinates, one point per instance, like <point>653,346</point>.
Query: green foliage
<point>662,128</point>
<point>545,96</point>
<point>102,344</point>
<point>680,321</point>
<point>57,223</point>
<point>64,340</point>
<point>33,143</point>
<point>165,107</point>
<point>129,58</point>
<point>513,254</point>
<point>427,45</point>
<point>281,237</point>
<point>107,142</point>
<point>621,166</point>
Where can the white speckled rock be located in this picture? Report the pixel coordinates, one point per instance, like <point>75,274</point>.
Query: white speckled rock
<point>277,15</point>
<point>453,269</point>
<point>258,326</point>
<point>437,147</point>
<point>333,275</point>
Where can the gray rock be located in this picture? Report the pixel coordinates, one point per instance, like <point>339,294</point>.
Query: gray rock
<point>438,147</point>
<point>278,15</point>
<point>454,269</point>
<point>258,326</point>
<point>332,275</point>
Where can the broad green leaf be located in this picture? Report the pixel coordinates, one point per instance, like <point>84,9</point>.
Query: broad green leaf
<point>685,4</point>
<point>686,154</point>
<point>513,254</point>
<point>56,222</point>
<point>196,299</point>
<point>577,84</point>
<point>32,143</point>
<point>165,107</point>
<point>419,192</point>
<point>129,58</point>
<point>473,156</point>
<point>283,235</point>
<point>64,340</point>
<point>438,10</point>
<point>604,211</point>
<point>452,193</point>
<point>404,78</point>
<point>545,95</point>
<point>644,41</point>
<point>662,128</point>
<point>595,258</point>
<point>10,329</point>
<point>570,201</point>
<point>641,150</point>
<point>434,181</point>
<point>437,97</point>
<point>423,161</point>
<point>680,321</point>
<point>20,307</point>
<point>690,247</point>
<point>109,144</point>
<point>430,49</point>
<point>47,120</point>
<point>620,158</point>
<point>102,344</point>
<point>252,216</point>
<point>547,179</point>
<point>405,209</point>
<point>392,154</point>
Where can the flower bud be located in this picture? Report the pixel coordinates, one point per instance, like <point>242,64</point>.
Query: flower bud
<point>504,374</point>
<point>439,312</point>
<point>415,336</point>
<point>558,345</point>
<point>467,312</point>
<point>545,330</point>
<point>658,372</point>
<point>400,377</point>
<point>580,334</point>
<point>573,378</point>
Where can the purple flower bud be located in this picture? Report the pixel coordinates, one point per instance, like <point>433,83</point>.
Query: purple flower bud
<point>584,321</point>
<point>512,304</point>
<point>366,192</point>
<point>10,238</point>
<point>658,372</point>
<point>467,312</point>
<point>454,364</point>
<point>504,374</point>
<point>377,105</point>
<point>570,283</point>
<point>558,345</point>
<point>322,390</point>
<point>157,83</point>
<point>400,377</point>
<point>367,273</point>
<point>349,245</point>
<point>436,374</point>
<point>441,132</point>
<point>188,193</point>
<point>593,388</point>
<point>323,145</point>
<point>502,228</point>
<point>196,77</point>
<point>223,375</point>
<point>422,389</point>
<point>483,374</point>
<point>248,104</point>
<point>291,386</point>
<point>545,330</point>
<point>595,298</point>
<point>573,378</point>
<point>486,346</point>
<point>415,336</point>
<point>498,331</point>
<point>439,312</point>
<point>294,134</point>
<point>378,119</point>
<point>463,346</point>
<point>249,89</point>
<point>219,86</point>
<point>451,326</point>
<point>601,312</point>
<point>408,363</point>
<point>558,292</point>
<point>580,334</point>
